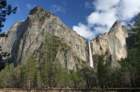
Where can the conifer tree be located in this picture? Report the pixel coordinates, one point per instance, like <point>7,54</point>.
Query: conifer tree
<point>5,10</point>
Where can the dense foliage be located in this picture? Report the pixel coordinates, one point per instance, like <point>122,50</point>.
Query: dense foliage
<point>133,61</point>
<point>5,10</point>
<point>47,72</point>
<point>30,75</point>
<point>129,73</point>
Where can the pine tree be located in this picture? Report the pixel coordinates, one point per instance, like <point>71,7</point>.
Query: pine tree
<point>134,53</point>
<point>5,10</point>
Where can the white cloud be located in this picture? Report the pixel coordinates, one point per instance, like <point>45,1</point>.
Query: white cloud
<point>101,18</point>
<point>83,30</point>
<point>128,9</point>
<point>105,4</point>
<point>106,13</point>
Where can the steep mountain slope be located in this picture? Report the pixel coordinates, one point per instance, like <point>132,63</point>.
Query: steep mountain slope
<point>44,36</point>
<point>111,44</point>
<point>31,35</point>
<point>7,42</point>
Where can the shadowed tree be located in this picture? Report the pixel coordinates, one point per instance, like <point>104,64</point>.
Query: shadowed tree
<point>5,10</point>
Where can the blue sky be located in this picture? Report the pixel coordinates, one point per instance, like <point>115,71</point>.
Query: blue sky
<point>69,11</point>
<point>87,17</point>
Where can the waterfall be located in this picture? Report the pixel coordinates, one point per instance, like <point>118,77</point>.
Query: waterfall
<point>90,55</point>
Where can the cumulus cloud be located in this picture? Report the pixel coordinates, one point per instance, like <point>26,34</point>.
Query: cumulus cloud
<point>105,18</point>
<point>128,9</point>
<point>83,30</point>
<point>105,4</point>
<point>105,14</point>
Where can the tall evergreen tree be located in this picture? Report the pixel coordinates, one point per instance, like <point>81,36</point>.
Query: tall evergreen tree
<point>133,60</point>
<point>5,10</point>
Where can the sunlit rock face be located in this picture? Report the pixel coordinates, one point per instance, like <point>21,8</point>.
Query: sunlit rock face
<point>46,37</point>
<point>111,44</point>
<point>32,33</point>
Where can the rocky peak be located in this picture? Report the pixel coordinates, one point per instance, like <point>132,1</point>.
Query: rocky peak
<point>29,38</point>
<point>34,30</point>
<point>116,24</point>
<point>40,11</point>
<point>35,10</point>
<point>118,27</point>
<point>111,44</point>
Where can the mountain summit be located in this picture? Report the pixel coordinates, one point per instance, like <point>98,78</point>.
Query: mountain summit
<point>112,44</point>
<point>46,37</point>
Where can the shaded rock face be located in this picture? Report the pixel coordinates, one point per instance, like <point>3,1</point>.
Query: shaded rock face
<point>44,36</point>
<point>7,42</point>
<point>111,44</point>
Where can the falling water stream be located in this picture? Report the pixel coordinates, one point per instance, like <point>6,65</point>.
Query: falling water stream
<point>90,55</point>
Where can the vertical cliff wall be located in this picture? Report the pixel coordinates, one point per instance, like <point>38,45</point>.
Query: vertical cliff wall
<point>112,44</point>
<point>42,34</point>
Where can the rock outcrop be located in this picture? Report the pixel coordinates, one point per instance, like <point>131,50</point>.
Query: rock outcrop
<point>111,44</point>
<point>44,36</point>
<point>30,35</point>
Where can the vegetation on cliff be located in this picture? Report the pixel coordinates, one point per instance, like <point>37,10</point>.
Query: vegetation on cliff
<point>47,72</point>
<point>51,65</point>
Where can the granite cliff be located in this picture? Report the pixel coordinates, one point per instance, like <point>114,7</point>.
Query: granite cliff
<point>46,37</point>
<point>111,45</point>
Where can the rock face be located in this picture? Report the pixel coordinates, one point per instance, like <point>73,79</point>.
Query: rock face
<point>44,36</point>
<point>7,42</point>
<point>31,34</point>
<point>111,44</point>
